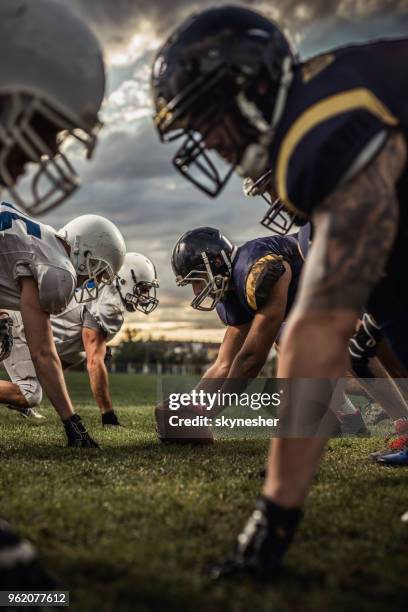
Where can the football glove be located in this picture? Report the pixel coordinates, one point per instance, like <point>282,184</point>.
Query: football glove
<point>262,544</point>
<point>20,569</point>
<point>6,335</point>
<point>110,418</point>
<point>363,345</point>
<point>182,434</point>
<point>77,434</point>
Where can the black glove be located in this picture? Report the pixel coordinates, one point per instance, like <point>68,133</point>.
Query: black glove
<point>110,418</point>
<point>77,434</point>
<point>363,345</point>
<point>6,335</point>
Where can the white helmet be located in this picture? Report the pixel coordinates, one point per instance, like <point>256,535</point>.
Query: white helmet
<point>51,78</point>
<point>136,283</point>
<point>97,247</point>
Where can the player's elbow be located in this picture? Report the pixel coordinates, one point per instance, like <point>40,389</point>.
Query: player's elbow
<point>43,355</point>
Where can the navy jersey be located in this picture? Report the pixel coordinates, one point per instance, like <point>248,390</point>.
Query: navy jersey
<point>257,266</point>
<point>339,110</point>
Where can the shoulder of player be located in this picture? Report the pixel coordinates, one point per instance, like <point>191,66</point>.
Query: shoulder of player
<point>330,105</point>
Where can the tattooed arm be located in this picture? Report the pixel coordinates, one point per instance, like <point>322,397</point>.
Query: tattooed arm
<point>354,233</point>
<point>355,230</point>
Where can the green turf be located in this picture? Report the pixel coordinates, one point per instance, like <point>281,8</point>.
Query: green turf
<point>131,527</point>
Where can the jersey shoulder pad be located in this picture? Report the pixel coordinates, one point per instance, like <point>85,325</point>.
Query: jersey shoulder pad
<point>326,142</point>
<point>56,288</point>
<point>262,276</point>
<point>106,316</point>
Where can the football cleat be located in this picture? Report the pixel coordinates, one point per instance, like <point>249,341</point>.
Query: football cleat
<point>374,414</point>
<point>395,444</point>
<point>27,413</point>
<point>353,425</point>
<point>110,418</point>
<point>260,547</point>
<point>77,435</point>
<point>395,459</point>
<point>20,568</point>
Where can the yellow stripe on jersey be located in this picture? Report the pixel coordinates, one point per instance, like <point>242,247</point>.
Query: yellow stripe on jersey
<point>318,113</point>
<point>256,270</point>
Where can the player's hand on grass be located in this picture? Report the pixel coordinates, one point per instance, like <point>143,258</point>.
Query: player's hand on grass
<point>6,335</point>
<point>77,435</point>
<point>110,418</point>
<point>199,433</point>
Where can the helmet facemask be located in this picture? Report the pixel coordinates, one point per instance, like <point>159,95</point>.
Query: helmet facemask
<point>215,284</point>
<point>54,178</point>
<point>228,88</point>
<point>99,274</point>
<point>277,218</point>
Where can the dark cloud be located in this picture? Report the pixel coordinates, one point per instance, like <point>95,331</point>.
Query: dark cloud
<point>131,179</point>
<point>116,20</point>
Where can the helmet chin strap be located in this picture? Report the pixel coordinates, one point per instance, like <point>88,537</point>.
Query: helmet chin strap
<point>255,159</point>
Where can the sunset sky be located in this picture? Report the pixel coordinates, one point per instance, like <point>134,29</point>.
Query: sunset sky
<point>131,179</point>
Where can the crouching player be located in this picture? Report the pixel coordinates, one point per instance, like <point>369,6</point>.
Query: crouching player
<point>253,289</point>
<point>82,331</point>
<point>39,272</point>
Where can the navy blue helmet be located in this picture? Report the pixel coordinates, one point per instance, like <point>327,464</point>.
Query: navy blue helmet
<point>204,255</point>
<point>229,68</point>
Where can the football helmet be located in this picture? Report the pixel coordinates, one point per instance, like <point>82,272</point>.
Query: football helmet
<point>227,66</point>
<point>97,251</point>
<point>207,256</point>
<point>137,283</point>
<point>278,218</point>
<point>52,83</point>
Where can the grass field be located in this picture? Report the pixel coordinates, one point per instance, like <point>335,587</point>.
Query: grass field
<point>131,527</point>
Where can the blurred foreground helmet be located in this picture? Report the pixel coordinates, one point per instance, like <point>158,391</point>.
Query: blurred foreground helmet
<point>206,256</point>
<point>97,252</point>
<point>137,283</point>
<point>229,67</point>
<point>52,84</point>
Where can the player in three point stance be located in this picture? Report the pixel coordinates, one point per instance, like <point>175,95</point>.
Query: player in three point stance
<point>39,272</point>
<point>82,332</point>
<point>253,289</point>
<point>46,91</point>
<point>334,131</point>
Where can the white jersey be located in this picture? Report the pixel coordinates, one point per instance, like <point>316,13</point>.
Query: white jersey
<point>29,248</point>
<point>104,314</point>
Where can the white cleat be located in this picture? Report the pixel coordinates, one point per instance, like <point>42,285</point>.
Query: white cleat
<point>28,413</point>
<point>404,517</point>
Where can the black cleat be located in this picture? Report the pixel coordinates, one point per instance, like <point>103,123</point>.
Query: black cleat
<point>260,547</point>
<point>77,435</point>
<point>110,418</point>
